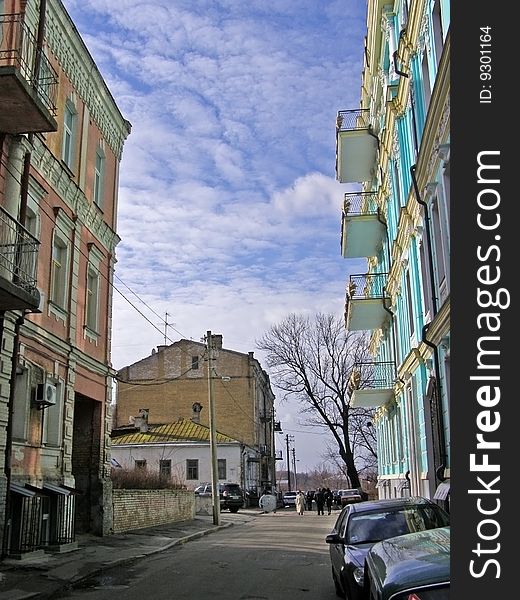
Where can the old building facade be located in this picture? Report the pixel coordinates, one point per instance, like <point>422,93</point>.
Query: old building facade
<point>172,384</point>
<point>61,141</point>
<point>396,147</point>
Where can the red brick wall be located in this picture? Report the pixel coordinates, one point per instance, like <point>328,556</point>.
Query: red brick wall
<point>135,509</point>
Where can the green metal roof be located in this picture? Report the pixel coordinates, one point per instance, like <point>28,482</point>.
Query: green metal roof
<point>180,431</point>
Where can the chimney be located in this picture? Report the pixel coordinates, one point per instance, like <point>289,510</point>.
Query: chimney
<point>141,421</point>
<point>217,341</point>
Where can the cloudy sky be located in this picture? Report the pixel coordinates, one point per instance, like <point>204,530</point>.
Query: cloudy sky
<point>229,211</point>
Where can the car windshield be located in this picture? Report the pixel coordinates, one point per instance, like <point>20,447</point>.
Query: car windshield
<point>376,526</point>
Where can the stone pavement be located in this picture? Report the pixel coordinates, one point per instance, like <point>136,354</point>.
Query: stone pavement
<point>45,575</point>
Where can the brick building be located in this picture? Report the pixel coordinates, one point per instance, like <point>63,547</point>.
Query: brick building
<point>61,140</point>
<point>172,384</point>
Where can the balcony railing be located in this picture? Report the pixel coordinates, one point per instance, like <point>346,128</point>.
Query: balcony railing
<point>373,375</point>
<point>349,120</point>
<point>18,49</point>
<point>367,286</point>
<point>360,203</point>
<point>18,253</point>
<point>356,146</point>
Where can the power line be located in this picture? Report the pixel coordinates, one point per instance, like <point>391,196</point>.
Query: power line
<point>110,283</point>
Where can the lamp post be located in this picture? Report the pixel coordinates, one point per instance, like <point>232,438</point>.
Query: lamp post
<point>212,435</point>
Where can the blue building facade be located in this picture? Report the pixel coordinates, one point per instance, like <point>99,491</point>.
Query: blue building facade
<point>396,147</point>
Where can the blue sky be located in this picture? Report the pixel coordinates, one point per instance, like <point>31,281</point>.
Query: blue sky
<point>229,211</point>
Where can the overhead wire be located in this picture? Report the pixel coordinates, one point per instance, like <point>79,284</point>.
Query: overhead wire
<point>110,283</point>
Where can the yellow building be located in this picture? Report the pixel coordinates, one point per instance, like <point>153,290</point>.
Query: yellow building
<point>172,384</point>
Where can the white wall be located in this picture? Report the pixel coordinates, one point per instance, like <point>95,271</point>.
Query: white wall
<point>179,453</point>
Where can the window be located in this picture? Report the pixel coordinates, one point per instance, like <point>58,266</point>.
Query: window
<point>165,469</point>
<point>425,276</point>
<point>397,184</point>
<point>53,421</point>
<point>99,176</point>
<point>438,243</point>
<point>140,465</point>
<point>409,301</point>
<point>194,362</point>
<point>69,134</point>
<point>21,405</point>
<point>438,34</point>
<point>93,292</point>
<point>192,468</point>
<point>427,91</point>
<point>59,271</point>
<point>221,465</point>
<point>92,300</point>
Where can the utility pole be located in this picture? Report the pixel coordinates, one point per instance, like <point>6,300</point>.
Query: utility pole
<point>288,438</point>
<point>294,468</point>
<point>215,493</point>
<point>165,327</point>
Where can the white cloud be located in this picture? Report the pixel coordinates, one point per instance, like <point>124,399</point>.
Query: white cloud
<point>229,212</point>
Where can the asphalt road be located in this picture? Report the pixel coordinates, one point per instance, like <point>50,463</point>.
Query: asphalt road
<point>278,556</point>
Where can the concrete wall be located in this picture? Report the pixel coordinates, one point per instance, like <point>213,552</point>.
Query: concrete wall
<point>135,509</point>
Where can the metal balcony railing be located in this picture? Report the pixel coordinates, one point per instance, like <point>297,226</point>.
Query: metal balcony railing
<point>373,375</point>
<point>360,203</point>
<point>367,286</point>
<point>349,120</point>
<point>18,49</point>
<point>18,252</point>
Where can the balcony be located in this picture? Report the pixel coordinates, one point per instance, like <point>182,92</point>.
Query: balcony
<point>372,384</point>
<point>28,83</point>
<point>18,260</point>
<point>356,146</point>
<point>362,227</point>
<point>366,302</point>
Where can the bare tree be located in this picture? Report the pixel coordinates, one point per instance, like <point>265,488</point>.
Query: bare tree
<point>314,360</point>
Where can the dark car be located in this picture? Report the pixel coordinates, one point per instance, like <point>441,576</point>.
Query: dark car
<point>360,525</point>
<point>410,567</point>
<point>231,495</point>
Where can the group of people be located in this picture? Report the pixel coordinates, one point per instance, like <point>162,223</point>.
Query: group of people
<point>323,497</point>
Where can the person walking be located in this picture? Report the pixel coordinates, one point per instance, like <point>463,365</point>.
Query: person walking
<point>328,500</point>
<point>308,497</point>
<point>300,502</point>
<point>320,500</point>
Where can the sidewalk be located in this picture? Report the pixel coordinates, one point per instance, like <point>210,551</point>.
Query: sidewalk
<point>43,576</point>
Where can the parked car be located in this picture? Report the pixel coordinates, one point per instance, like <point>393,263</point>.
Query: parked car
<point>289,499</point>
<point>415,566</point>
<point>231,495</point>
<point>362,524</point>
<point>345,497</point>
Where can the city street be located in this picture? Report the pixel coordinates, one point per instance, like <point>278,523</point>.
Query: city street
<point>276,556</point>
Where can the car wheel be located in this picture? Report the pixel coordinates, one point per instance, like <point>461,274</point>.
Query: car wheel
<point>337,586</point>
<point>233,509</point>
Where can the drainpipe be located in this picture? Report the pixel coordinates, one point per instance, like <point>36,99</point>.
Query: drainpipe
<point>395,56</point>
<point>9,433</point>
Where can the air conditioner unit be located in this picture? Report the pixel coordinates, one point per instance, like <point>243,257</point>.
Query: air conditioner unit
<point>46,394</point>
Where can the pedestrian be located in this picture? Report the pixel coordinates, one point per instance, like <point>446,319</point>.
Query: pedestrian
<point>328,500</point>
<point>320,500</point>
<point>308,498</point>
<point>300,502</point>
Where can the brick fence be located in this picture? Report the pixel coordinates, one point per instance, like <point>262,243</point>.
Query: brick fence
<point>135,509</point>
